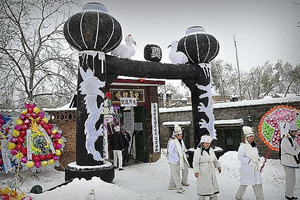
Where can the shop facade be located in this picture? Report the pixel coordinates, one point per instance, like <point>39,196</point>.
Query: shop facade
<point>136,103</point>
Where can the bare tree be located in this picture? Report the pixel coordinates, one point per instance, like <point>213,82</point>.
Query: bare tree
<point>35,59</point>
<point>293,81</point>
<point>224,78</point>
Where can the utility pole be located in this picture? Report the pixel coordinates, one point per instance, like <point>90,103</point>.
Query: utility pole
<point>238,66</point>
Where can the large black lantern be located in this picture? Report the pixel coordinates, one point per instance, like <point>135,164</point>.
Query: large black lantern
<point>93,29</point>
<point>198,46</point>
<point>93,33</point>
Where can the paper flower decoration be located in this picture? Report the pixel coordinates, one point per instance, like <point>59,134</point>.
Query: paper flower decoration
<point>6,163</point>
<point>35,142</point>
<point>275,123</point>
<point>6,193</point>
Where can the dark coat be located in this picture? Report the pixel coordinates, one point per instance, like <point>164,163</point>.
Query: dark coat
<point>126,139</point>
<point>117,142</point>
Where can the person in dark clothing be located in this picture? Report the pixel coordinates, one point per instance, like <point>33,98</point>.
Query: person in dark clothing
<point>117,144</point>
<point>126,140</point>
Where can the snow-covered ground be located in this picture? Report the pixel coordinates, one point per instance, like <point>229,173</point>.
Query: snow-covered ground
<point>149,181</point>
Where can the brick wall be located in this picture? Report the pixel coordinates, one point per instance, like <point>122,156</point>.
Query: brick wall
<point>66,121</point>
<point>255,112</point>
<point>165,131</point>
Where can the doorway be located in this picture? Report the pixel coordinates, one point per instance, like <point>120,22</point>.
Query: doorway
<point>229,138</point>
<point>141,133</point>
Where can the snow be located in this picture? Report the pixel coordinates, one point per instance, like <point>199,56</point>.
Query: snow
<point>289,98</point>
<point>181,123</point>
<point>229,121</point>
<point>149,181</point>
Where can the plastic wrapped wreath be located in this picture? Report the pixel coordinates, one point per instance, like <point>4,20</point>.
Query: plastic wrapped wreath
<point>35,143</point>
<point>275,123</point>
<point>6,164</point>
<point>6,193</point>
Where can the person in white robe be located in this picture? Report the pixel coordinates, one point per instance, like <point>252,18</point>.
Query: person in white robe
<point>205,163</point>
<point>177,159</point>
<point>250,170</point>
<point>290,150</point>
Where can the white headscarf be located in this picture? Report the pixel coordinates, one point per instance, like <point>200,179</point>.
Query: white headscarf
<point>206,138</point>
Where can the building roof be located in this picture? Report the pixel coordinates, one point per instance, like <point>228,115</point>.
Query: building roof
<point>180,123</point>
<point>229,122</point>
<point>132,81</point>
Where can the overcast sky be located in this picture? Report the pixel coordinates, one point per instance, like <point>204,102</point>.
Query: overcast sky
<point>265,30</point>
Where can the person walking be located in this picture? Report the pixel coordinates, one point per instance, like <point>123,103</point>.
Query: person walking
<point>290,160</point>
<point>126,139</point>
<point>204,164</point>
<point>117,147</point>
<point>177,161</point>
<point>249,158</point>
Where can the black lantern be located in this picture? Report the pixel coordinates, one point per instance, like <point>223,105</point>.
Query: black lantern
<point>198,46</point>
<point>152,52</point>
<point>93,32</point>
<point>93,29</point>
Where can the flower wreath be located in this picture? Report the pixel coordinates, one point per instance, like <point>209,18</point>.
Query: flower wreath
<point>6,164</point>
<point>35,143</point>
<point>273,124</point>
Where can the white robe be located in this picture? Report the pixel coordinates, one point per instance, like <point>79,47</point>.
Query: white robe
<point>288,152</point>
<point>205,165</point>
<point>249,176</point>
<point>177,153</point>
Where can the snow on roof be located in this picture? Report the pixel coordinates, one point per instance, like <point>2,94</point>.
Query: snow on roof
<point>229,122</point>
<point>65,107</point>
<point>180,123</point>
<point>217,122</point>
<point>176,109</point>
<point>290,98</point>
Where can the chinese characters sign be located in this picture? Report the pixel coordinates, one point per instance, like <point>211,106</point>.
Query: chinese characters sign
<point>155,129</point>
<point>155,52</point>
<point>128,102</point>
<point>117,94</point>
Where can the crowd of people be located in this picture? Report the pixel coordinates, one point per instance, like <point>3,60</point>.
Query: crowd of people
<point>205,164</point>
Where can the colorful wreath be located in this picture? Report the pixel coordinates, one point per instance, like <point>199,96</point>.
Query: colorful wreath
<point>6,164</point>
<point>273,124</point>
<point>6,193</point>
<point>34,142</point>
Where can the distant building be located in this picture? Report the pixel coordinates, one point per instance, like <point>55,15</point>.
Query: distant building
<point>230,117</point>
